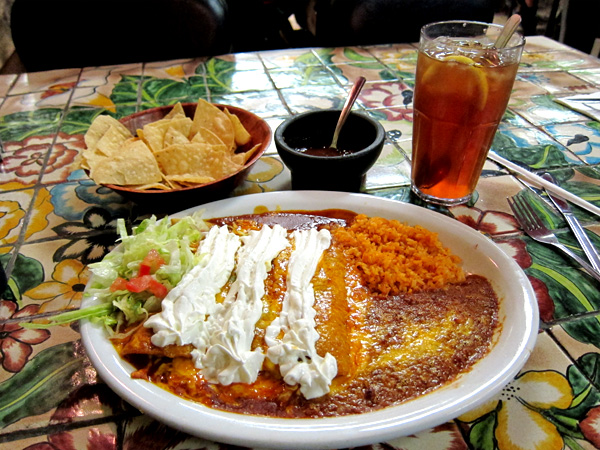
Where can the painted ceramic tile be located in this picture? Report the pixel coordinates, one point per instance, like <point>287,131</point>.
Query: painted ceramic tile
<point>583,181</point>
<point>405,147</point>
<point>564,60</point>
<point>402,62</point>
<point>244,61</point>
<point>345,55</point>
<point>395,96</point>
<point>558,82</point>
<point>446,436</point>
<point>63,372</point>
<point>143,429</point>
<point>263,104</point>
<point>267,175</point>
<point>27,346</point>
<point>539,424</point>
<point>59,269</point>
<point>103,436</point>
<point>443,437</point>
<point>310,98</point>
<point>220,81</point>
<point>524,88</point>
<point>289,57</point>
<point>511,119</point>
<point>589,75</point>
<point>490,213</point>
<point>31,102</point>
<point>24,165</point>
<point>14,204</point>
<point>176,69</point>
<point>391,54</point>
<point>582,139</point>
<point>97,87</point>
<point>158,92</point>
<point>6,82</point>
<point>44,81</point>
<point>542,110</point>
<point>347,74</point>
<point>390,169</point>
<point>532,148</point>
<point>536,44</point>
<point>296,77</point>
<point>68,209</point>
<point>579,339</point>
<point>558,280</point>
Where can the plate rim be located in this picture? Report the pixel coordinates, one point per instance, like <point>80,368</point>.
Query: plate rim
<point>330,432</point>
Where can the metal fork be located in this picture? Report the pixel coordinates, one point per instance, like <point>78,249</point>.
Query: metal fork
<point>536,230</point>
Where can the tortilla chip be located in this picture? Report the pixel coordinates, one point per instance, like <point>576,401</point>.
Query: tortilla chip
<point>189,179</point>
<point>173,152</point>
<point>176,112</point>
<point>206,136</point>
<point>174,136</point>
<point>111,140</point>
<point>243,158</point>
<point>99,127</point>
<point>209,116</point>
<point>241,135</point>
<point>154,133</point>
<point>134,164</point>
<point>202,160</point>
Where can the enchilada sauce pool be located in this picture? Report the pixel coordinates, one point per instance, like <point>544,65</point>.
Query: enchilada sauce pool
<point>389,349</point>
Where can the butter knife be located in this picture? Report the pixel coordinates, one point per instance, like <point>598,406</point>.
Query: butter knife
<point>578,231</point>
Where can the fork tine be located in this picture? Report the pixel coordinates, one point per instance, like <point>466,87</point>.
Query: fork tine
<point>528,213</point>
<point>517,210</point>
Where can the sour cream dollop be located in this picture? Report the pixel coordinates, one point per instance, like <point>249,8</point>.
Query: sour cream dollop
<point>295,351</point>
<point>222,333</point>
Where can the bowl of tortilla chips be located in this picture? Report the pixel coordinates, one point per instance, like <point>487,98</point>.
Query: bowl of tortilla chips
<point>173,157</point>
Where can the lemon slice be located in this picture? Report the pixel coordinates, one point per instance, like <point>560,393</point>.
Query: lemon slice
<point>465,76</point>
<point>460,59</point>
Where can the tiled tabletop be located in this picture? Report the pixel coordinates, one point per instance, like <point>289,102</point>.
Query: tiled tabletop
<point>54,221</point>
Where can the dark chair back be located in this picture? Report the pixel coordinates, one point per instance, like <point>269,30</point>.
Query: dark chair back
<point>53,34</point>
<point>364,22</point>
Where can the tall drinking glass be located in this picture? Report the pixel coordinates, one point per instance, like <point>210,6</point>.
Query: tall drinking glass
<point>462,89</point>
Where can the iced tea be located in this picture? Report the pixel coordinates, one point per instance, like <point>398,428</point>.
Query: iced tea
<point>461,92</point>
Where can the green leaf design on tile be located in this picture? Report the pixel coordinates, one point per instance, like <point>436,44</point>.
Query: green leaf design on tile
<point>126,90</point>
<point>586,395</point>
<point>27,273</point>
<point>78,119</point>
<point>218,75</point>
<point>22,125</point>
<point>535,156</point>
<point>481,435</point>
<point>42,384</point>
<point>571,290</point>
<point>159,91</point>
<point>586,331</point>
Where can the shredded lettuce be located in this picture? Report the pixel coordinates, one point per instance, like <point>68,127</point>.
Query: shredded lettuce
<point>173,241</point>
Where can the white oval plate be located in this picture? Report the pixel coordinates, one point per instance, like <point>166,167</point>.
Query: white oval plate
<point>514,343</point>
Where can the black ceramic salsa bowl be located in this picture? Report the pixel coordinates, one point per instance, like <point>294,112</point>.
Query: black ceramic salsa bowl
<point>361,139</point>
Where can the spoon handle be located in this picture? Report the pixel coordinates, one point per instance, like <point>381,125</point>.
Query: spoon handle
<point>358,84</point>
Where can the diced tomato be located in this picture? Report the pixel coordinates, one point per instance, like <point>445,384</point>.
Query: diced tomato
<point>151,263</point>
<point>147,283</point>
<point>118,285</point>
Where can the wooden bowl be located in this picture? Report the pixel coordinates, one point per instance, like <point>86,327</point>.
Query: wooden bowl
<point>165,201</point>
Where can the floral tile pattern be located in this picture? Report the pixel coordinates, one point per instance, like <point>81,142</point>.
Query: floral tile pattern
<point>54,221</point>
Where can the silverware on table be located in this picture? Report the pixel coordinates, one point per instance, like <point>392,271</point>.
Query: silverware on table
<point>583,239</point>
<point>535,229</point>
